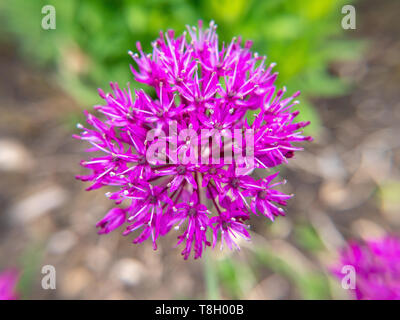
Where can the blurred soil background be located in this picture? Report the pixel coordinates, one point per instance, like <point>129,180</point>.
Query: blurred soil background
<point>346,185</point>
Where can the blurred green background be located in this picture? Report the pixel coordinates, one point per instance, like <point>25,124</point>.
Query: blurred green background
<point>89,46</point>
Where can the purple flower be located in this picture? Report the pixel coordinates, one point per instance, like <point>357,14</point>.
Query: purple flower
<point>112,220</point>
<point>377,268</point>
<point>8,283</point>
<point>184,160</point>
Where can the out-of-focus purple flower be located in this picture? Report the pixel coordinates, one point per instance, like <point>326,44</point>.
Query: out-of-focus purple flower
<point>182,160</point>
<point>8,283</point>
<point>194,216</point>
<point>265,198</point>
<point>377,268</point>
<point>229,224</point>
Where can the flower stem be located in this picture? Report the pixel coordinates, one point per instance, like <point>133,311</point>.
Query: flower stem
<point>211,278</point>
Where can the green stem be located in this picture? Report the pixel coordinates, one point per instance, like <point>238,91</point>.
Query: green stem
<point>210,277</point>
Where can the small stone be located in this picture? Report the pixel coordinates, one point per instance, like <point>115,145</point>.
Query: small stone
<point>129,271</point>
<point>14,156</point>
<point>272,288</point>
<point>39,203</point>
<point>368,229</point>
<point>74,282</point>
<point>97,258</point>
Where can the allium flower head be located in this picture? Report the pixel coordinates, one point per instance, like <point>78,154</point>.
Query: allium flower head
<point>181,158</point>
<point>8,282</point>
<point>377,268</point>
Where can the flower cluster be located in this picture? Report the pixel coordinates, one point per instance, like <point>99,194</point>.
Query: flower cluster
<point>8,282</point>
<point>376,265</point>
<point>149,141</point>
